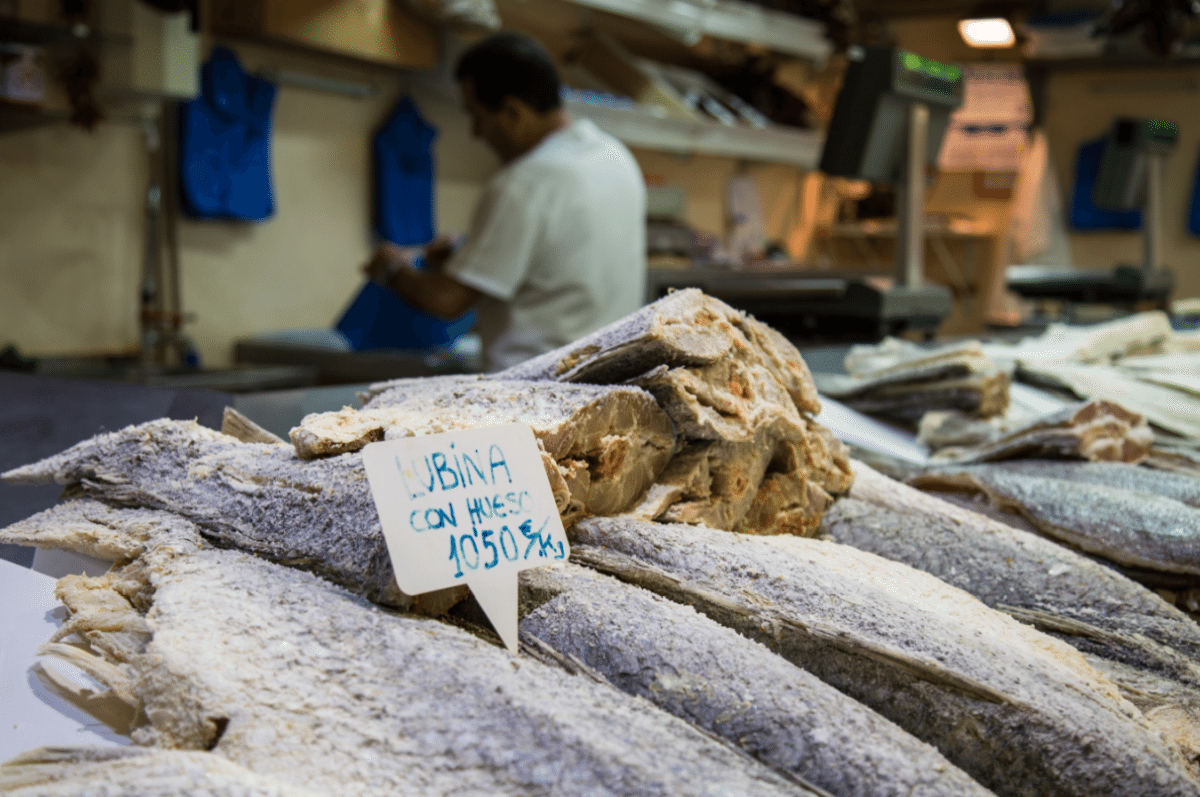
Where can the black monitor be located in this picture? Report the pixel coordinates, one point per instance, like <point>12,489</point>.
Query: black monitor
<point>867,135</point>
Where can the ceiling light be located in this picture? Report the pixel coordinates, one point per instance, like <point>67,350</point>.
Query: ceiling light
<point>991,32</point>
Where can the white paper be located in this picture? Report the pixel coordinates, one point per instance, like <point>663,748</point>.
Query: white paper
<point>31,714</point>
<point>468,507</point>
<point>853,427</point>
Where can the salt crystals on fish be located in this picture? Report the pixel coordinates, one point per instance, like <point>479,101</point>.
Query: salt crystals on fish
<point>317,515</point>
<point>714,678</point>
<point>1019,711</point>
<point>296,679</point>
<point>1132,527</point>
<point>1057,590</point>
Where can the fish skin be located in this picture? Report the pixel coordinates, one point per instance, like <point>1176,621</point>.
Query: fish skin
<point>297,679</point>
<point>261,498</point>
<point>1102,612</point>
<point>91,771</point>
<point>714,678</point>
<point>1134,529</point>
<point>1010,706</point>
<point>1122,476</point>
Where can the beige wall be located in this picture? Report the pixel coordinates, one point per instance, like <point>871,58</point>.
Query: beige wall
<point>70,238</point>
<point>1080,106</point>
<point>71,221</point>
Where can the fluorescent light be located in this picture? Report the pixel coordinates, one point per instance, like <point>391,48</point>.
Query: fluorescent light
<point>991,32</point>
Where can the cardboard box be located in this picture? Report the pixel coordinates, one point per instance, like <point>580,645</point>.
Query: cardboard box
<point>376,30</point>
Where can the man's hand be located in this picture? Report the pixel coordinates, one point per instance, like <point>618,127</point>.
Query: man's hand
<point>385,263</point>
<point>438,253</point>
<point>428,290</point>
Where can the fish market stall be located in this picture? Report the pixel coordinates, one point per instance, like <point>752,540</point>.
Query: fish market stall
<point>746,608</point>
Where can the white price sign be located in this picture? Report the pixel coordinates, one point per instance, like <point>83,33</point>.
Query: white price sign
<point>468,507</point>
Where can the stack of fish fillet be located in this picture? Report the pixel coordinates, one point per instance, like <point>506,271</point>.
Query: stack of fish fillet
<point>1096,430</point>
<point>668,659</point>
<point>902,381</point>
<point>748,455</point>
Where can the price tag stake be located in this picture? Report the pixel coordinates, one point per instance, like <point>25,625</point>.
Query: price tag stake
<point>469,507</point>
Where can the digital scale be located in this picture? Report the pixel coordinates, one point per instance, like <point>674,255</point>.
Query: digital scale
<point>1130,178</point>
<point>888,124</point>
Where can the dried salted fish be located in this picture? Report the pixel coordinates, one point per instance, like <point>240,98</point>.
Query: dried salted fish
<point>906,383</point>
<point>1167,408</point>
<point>740,397</point>
<point>1019,711</point>
<point>714,678</point>
<point>1117,475</point>
<point>1171,707</point>
<point>1096,430</point>
<point>235,424</point>
<point>1126,525</point>
<point>683,329</point>
<point>738,393</point>
<point>609,442</point>
<point>80,771</point>
<point>295,678</point>
<point>1060,343</point>
<point>262,498</point>
<point>1092,607</point>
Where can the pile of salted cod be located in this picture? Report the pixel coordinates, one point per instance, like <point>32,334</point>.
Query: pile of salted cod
<point>902,381</point>
<point>702,640</point>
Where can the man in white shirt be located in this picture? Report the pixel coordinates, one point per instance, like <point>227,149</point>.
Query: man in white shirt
<point>557,245</point>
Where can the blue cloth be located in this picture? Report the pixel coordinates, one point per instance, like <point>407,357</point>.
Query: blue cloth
<point>1084,214</point>
<point>403,160</point>
<point>225,137</point>
<point>379,319</point>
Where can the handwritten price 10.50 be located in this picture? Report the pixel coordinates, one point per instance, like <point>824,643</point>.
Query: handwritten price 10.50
<point>465,550</point>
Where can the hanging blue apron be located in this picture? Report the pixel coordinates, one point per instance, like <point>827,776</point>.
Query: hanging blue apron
<point>225,134</point>
<point>402,153</point>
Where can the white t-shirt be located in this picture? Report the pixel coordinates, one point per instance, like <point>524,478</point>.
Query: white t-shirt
<point>557,245</point>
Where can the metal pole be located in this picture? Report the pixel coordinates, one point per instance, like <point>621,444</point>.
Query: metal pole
<point>910,240</point>
<point>1152,215</point>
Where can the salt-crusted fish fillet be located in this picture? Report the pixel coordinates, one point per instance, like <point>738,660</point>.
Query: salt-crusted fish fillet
<point>1019,711</point>
<point>1123,524</point>
<point>1038,581</point>
<point>906,383</point>
<point>262,498</point>
<point>683,329</point>
<point>92,771</point>
<point>1119,475</point>
<point>1096,430</point>
<point>609,441</point>
<point>715,678</point>
<point>739,395</point>
<point>295,678</point>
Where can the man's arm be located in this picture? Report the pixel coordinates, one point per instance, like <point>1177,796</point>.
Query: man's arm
<point>430,290</point>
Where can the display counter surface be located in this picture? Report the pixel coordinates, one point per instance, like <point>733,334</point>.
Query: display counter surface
<point>35,713</point>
